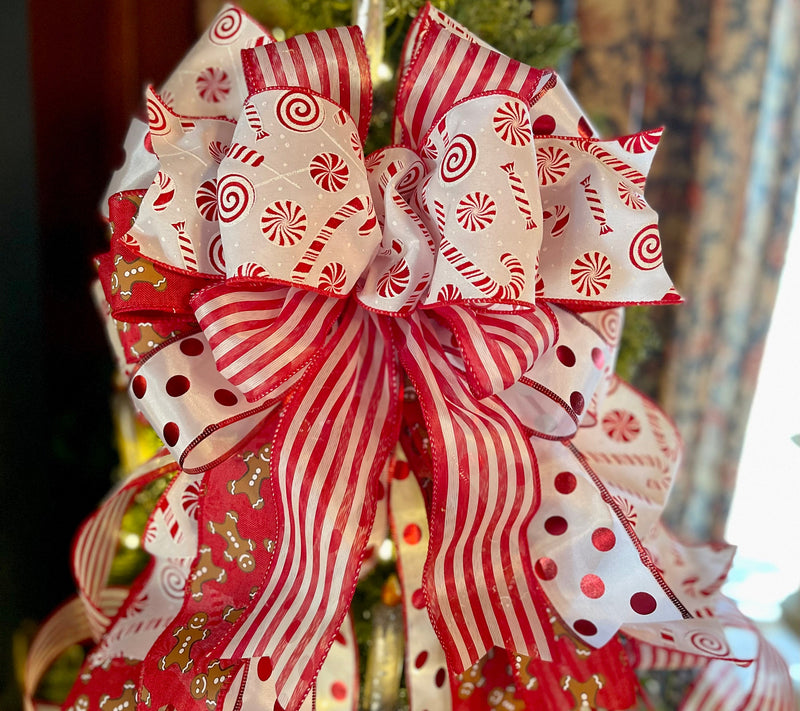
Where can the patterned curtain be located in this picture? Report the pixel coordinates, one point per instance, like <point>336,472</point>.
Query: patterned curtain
<point>723,78</point>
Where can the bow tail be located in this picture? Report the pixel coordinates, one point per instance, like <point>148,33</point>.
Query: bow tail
<point>326,468</point>
<point>478,582</point>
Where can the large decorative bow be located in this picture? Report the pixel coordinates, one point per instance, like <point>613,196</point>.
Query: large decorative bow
<point>274,289</point>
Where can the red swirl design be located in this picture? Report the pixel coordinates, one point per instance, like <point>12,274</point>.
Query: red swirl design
<point>329,171</point>
<point>590,273</point>
<point>216,255</point>
<point>610,324</point>
<point>213,85</point>
<point>235,196</point>
<point>284,223</point>
<point>410,180</point>
<point>621,426</point>
<point>459,158</point>
<point>552,164</point>
<point>227,27</point>
<point>157,119</point>
<point>645,251</point>
<point>166,191</point>
<point>708,643</point>
<point>206,200</point>
<point>630,197</point>
<point>512,124</point>
<point>476,211</point>
<point>333,277</point>
<point>299,111</point>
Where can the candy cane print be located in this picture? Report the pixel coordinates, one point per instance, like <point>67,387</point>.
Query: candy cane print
<point>620,166</point>
<point>520,195</point>
<point>351,207</point>
<point>593,200</point>
<point>480,279</point>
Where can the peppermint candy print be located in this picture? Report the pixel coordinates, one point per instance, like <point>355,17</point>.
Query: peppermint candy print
<point>476,211</point>
<point>333,277</point>
<point>630,197</point>
<point>621,425</point>
<point>512,124</point>
<point>708,643</point>
<point>251,270</point>
<point>520,195</point>
<point>595,205</point>
<point>329,172</point>
<point>414,173</point>
<point>299,111</point>
<point>217,150</point>
<point>449,292</point>
<point>611,326</point>
<point>172,581</point>
<point>558,215</point>
<point>640,142</point>
<point>245,154</point>
<point>186,247</point>
<point>459,158</point>
<point>227,27</point>
<point>235,196</point>
<point>166,191</point>
<point>284,223</point>
<point>552,164</point>
<point>645,251</point>
<point>213,85</point>
<point>590,273</point>
<point>216,256</point>
<point>254,121</point>
<point>395,281</point>
<point>206,200</point>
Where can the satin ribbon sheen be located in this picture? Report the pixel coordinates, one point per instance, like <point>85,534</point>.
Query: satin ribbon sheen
<point>273,289</point>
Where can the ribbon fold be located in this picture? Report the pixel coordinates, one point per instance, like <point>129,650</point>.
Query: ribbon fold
<point>281,292</point>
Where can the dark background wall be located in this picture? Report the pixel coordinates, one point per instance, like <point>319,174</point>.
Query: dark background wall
<point>73,75</point>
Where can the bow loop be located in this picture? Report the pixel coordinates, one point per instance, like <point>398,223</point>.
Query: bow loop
<point>264,336</point>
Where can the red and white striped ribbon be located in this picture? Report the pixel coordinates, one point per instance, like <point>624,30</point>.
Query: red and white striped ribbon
<point>478,579</point>
<point>326,467</point>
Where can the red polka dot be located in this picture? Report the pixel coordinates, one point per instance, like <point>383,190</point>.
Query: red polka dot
<point>225,397</point>
<point>585,627</point>
<point>441,677</point>
<point>603,539</point>
<point>546,568</point>
<point>171,433</point>
<point>592,586</point>
<point>418,599</point>
<point>412,534</point>
<point>264,668</point>
<point>577,402</point>
<point>584,128</point>
<point>139,386</point>
<point>191,346</point>
<point>565,355</point>
<point>401,470</point>
<point>643,603</point>
<point>177,385</point>
<point>338,691</point>
<point>148,142</point>
<point>419,662</point>
<point>598,358</point>
<point>555,525</point>
<point>340,639</point>
<point>565,483</point>
<point>381,491</point>
<point>544,125</point>
<point>672,297</point>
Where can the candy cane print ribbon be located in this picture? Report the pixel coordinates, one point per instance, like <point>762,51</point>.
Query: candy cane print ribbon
<point>301,277</point>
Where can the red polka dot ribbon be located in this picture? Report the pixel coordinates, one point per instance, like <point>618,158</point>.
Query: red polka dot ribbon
<point>273,287</point>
